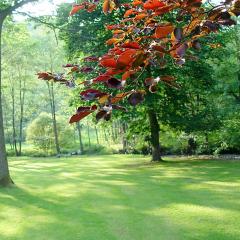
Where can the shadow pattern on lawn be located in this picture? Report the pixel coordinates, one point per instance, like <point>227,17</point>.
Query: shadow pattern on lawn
<point>121,197</point>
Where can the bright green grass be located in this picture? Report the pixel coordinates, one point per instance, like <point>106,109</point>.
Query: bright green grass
<point>121,197</point>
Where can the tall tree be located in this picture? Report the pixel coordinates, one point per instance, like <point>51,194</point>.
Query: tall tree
<point>20,55</point>
<point>6,9</point>
<point>53,112</point>
<point>52,55</point>
<point>160,33</point>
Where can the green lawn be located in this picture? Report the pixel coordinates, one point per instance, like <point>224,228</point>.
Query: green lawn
<point>121,197</point>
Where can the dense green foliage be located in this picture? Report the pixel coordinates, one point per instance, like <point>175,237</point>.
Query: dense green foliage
<point>193,111</point>
<point>85,33</point>
<point>199,117</point>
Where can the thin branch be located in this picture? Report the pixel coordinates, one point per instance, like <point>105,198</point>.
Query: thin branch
<point>39,20</point>
<point>51,25</point>
<point>17,4</point>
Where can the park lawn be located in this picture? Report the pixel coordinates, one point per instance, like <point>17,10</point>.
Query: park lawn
<point>121,197</point>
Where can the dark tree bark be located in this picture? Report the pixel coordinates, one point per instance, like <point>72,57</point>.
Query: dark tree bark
<point>154,128</point>
<point>192,146</point>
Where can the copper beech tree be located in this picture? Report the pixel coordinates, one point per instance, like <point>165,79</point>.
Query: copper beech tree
<point>150,35</point>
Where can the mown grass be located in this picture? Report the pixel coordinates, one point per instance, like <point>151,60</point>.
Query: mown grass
<point>121,197</point>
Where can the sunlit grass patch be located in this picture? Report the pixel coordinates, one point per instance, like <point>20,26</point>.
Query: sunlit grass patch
<point>121,197</point>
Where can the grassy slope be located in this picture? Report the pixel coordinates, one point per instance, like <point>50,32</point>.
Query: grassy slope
<point>121,197</point>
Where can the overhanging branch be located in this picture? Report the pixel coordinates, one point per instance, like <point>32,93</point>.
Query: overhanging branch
<point>52,25</point>
<point>17,4</point>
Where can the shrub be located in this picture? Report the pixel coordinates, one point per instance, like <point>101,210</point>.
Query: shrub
<point>40,133</point>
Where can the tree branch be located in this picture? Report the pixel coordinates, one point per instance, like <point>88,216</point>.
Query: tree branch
<point>39,20</point>
<point>52,25</point>
<point>17,4</point>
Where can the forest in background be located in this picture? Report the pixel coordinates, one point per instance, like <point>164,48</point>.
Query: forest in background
<point>200,117</point>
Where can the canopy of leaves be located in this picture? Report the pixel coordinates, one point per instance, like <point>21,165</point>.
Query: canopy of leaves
<point>147,35</point>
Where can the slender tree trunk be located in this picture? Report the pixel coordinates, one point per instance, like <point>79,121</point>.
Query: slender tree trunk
<point>80,137</point>
<point>113,134</point>
<point>54,121</point>
<point>22,101</point>
<point>117,130</point>
<point>124,140</point>
<point>8,132</point>
<point>14,120</point>
<point>5,179</point>
<point>96,131</point>
<point>89,139</point>
<point>154,128</point>
<point>110,139</point>
<point>207,143</point>
<point>105,135</point>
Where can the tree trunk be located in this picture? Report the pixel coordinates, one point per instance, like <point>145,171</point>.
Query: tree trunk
<point>8,132</point>
<point>154,128</point>
<point>89,138</point>
<point>5,179</point>
<point>80,137</point>
<point>124,140</point>
<point>207,143</point>
<point>113,134</point>
<point>54,121</point>
<point>192,146</point>
<point>105,135</point>
<point>96,131</point>
<point>13,120</point>
<point>22,101</point>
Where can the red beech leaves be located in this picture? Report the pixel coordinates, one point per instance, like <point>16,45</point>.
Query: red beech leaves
<point>82,112</point>
<point>150,34</point>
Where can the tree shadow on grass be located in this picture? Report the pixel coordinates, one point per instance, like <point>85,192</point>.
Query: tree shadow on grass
<point>106,199</point>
